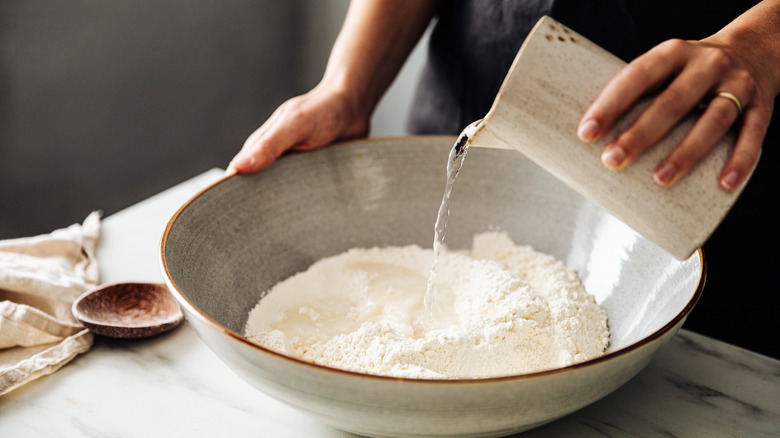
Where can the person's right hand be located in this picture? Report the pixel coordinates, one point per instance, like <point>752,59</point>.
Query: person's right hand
<point>317,118</point>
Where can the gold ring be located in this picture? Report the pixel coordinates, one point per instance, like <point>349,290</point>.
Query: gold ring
<point>734,99</point>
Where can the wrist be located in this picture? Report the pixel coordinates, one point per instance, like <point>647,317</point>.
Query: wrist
<point>755,37</point>
<point>355,96</point>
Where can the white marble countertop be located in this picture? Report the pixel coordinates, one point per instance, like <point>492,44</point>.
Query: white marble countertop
<point>173,385</point>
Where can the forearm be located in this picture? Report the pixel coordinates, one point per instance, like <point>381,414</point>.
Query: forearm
<point>373,44</point>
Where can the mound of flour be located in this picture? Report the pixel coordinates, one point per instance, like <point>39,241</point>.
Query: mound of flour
<point>501,309</point>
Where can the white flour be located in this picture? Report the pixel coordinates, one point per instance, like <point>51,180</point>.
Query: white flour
<point>500,310</point>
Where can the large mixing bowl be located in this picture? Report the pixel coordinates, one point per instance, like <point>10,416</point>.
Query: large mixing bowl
<point>245,233</point>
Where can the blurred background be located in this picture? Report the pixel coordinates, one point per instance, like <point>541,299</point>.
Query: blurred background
<point>103,104</point>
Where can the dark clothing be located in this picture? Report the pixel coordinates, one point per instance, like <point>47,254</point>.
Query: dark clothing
<point>472,47</point>
<point>475,41</point>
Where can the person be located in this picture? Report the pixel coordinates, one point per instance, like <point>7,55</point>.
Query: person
<point>723,55</point>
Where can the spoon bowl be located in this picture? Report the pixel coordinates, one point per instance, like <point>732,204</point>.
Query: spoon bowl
<point>128,310</point>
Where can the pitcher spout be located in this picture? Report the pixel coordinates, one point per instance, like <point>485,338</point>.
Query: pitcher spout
<point>478,134</point>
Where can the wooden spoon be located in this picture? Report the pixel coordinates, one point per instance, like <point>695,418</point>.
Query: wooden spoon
<point>128,310</point>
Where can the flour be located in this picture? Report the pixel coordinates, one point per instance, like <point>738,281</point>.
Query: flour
<point>501,309</point>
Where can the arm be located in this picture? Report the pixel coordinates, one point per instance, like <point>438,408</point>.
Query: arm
<point>373,44</point>
<point>743,59</point>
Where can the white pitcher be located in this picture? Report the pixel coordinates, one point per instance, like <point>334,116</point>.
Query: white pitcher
<point>556,75</point>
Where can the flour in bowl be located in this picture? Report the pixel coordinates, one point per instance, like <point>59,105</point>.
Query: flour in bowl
<point>501,309</point>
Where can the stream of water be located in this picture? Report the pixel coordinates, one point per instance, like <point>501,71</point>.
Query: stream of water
<point>454,163</point>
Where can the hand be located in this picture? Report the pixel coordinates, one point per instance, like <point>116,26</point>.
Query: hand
<point>374,41</point>
<point>688,72</point>
<point>314,119</point>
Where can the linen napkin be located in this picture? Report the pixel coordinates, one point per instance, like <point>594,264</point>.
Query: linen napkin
<point>40,278</point>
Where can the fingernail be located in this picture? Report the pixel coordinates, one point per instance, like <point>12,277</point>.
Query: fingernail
<point>241,162</point>
<point>730,181</point>
<point>613,157</point>
<point>664,174</point>
<point>589,130</point>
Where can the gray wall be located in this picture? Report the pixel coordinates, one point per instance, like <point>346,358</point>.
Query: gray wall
<point>103,104</point>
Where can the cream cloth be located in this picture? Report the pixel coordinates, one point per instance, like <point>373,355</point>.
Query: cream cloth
<point>40,278</point>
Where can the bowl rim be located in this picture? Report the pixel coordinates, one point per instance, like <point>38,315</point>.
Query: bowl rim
<point>193,310</point>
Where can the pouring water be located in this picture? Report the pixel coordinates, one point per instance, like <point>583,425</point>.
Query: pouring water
<point>454,164</point>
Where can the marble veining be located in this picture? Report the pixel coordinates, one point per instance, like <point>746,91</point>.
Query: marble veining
<point>695,386</point>
<point>173,385</point>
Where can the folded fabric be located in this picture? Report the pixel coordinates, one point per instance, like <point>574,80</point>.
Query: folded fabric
<point>40,278</point>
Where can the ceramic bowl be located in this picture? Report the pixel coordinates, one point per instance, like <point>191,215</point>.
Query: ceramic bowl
<point>245,233</point>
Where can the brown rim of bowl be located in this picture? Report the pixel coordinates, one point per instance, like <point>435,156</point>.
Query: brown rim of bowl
<point>184,302</point>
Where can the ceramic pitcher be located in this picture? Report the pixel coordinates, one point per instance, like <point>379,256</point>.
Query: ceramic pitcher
<point>556,75</point>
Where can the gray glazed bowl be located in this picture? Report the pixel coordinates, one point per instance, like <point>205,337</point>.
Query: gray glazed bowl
<point>245,233</point>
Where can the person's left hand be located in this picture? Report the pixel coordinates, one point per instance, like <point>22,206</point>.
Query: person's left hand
<point>687,73</point>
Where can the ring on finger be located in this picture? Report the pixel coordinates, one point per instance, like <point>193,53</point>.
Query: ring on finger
<point>734,99</point>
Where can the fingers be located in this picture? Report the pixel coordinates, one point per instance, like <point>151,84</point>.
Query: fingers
<point>312,120</point>
<point>271,140</point>
<point>692,80</point>
<point>657,120</point>
<point>639,77</point>
<point>713,124</point>
<point>747,149</point>
<point>693,72</point>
